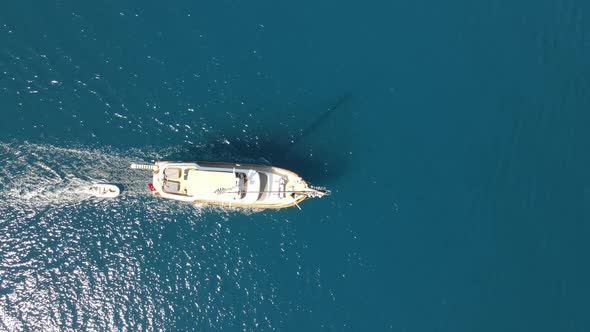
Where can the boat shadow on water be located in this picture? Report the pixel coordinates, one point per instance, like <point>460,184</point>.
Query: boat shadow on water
<point>320,152</point>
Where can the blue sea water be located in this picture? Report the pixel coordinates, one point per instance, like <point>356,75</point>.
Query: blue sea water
<point>454,137</point>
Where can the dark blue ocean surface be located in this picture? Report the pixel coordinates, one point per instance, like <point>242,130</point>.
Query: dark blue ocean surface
<point>454,136</point>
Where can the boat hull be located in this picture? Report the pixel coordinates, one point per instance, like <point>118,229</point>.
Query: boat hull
<point>104,190</point>
<point>229,184</point>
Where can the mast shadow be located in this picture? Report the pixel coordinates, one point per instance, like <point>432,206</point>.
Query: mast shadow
<point>320,152</point>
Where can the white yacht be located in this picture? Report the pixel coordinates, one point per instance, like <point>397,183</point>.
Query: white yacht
<point>229,184</point>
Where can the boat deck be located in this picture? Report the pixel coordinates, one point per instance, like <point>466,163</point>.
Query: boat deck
<point>237,185</point>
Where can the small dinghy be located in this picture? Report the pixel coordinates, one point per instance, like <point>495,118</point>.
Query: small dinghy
<point>104,190</point>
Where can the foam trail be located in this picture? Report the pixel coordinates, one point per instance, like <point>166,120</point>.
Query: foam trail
<point>39,175</point>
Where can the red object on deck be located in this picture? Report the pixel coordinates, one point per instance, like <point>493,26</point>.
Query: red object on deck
<point>151,186</point>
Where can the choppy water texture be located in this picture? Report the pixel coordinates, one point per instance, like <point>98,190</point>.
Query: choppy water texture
<point>453,136</point>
